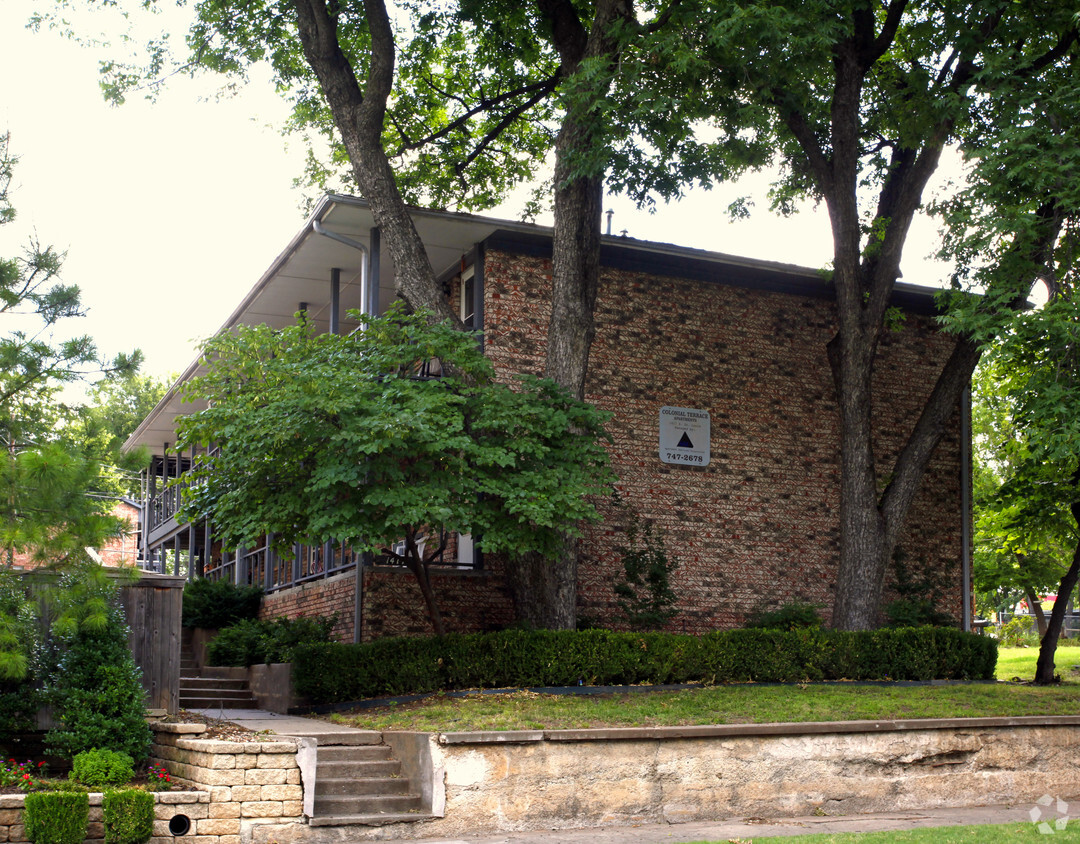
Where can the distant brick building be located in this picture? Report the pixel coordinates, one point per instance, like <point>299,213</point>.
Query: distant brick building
<point>122,550</point>
<point>735,342</point>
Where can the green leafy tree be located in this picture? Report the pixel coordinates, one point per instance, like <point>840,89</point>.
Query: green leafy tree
<point>454,104</point>
<point>1009,563</point>
<point>345,438</point>
<point>1039,501</point>
<point>859,100</point>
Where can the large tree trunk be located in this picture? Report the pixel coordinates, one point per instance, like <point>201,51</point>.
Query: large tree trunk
<point>545,591</point>
<point>359,116</point>
<point>1044,668</point>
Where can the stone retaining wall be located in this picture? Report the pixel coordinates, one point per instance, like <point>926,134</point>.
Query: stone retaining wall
<point>561,779</point>
<point>245,784</point>
<point>193,805</point>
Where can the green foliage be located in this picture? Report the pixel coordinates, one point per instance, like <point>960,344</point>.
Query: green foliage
<point>128,816</point>
<point>219,603</point>
<point>514,658</point>
<point>96,768</point>
<point>20,644</point>
<point>256,642</point>
<point>644,594</point>
<point>45,474</point>
<point>56,817</point>
<point>920,591</point>
<point>329,437</point>
<point>795,615</point>
<point>1018,631</point>
<point>95,686</point>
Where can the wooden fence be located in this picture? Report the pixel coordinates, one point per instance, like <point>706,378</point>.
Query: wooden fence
<point>152,607</point>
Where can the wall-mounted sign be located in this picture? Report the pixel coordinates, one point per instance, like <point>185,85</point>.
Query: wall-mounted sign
<point>684,436</point>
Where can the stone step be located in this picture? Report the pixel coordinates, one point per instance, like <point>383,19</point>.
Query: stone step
<point>366,804</point>
<point>212,692</point>
<point>218,703</point>
<point>353,753</point>
<point>368,786</point>
<point>346,769</point>
<point>370,820</point>
<point>195,682</point>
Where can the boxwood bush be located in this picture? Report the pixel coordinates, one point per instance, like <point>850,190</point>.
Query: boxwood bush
<point>56,817</point>
<point>128,816</point>
<point>333,673</point>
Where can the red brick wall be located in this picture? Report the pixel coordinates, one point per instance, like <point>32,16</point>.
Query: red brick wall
<point>393,606</point>
<point>758,526</point>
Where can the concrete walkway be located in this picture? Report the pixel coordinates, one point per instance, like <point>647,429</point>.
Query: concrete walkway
<point>734,829</point>
<point>284,725</point>
<point>751,830</point>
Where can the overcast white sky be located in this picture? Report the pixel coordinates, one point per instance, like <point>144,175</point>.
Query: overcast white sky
<point>170,211</point>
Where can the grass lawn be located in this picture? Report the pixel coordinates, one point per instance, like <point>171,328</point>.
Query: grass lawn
<point>1003,834</point>
<point>738,704</point>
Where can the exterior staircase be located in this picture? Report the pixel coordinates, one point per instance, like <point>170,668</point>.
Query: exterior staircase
<point>358,782</point>
<point>209,687</point>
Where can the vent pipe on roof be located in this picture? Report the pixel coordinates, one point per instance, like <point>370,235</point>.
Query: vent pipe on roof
<point>318,228</point>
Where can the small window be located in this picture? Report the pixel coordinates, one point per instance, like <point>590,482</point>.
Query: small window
<point>466,301</point>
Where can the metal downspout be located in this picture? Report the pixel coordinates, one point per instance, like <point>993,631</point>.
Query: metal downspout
<point>965,506</point>
<point>319,228</point>
<point>365,295</point>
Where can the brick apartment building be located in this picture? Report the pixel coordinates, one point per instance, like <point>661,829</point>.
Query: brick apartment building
<point>689,345</point>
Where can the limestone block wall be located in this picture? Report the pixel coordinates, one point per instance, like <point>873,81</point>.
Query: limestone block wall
<point>245,783</point>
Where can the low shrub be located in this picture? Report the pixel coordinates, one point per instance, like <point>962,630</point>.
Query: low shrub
<point>56,817</point>
<point>332,672</point>
<point>793,616</point>
<point>219,603</point>
<point>256,642</point>
<point>99,767</point>
<point>128,816</point>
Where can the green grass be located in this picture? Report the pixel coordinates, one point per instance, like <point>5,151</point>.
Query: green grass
<point>1020,662</point>
<point>738,704</point>
<point>999,834</point>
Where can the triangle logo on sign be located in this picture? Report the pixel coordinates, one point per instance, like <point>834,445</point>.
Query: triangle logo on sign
<point>685,441</point>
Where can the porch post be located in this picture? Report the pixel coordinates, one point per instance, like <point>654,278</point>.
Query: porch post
<point>371,305</point>
<point>335,300</point>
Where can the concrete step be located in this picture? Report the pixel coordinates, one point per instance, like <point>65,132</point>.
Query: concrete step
<point>366,804</point>
<point>357,769</point>
<point>368,786</point>
<point>353,753</point>
<point>370,820</point>
<point>347,738</point>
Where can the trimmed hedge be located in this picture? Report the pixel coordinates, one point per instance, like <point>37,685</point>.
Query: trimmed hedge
<point>333,673</point>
